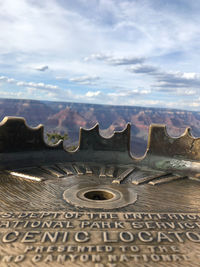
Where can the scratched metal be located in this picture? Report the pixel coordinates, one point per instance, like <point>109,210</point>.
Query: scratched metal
<point>98,206</point>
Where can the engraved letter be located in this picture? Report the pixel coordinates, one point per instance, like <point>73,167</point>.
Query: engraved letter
<point>10,237</point>
<point>194,237</point>
<point>19,258</point>
<point>126,236</point>
<point>36,258</point>
<point>106,238</point>
<point>145,236</point>
<point>51,236</point>
<point>28,248</point>
<point>81,237</point>
<point>163,237</point>
<point>28,237</point>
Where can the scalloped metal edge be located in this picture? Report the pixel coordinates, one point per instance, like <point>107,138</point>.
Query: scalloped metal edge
<point>183,147</point>
<point>21,145</point>
<point>91,139</point>
<point>17,136</point>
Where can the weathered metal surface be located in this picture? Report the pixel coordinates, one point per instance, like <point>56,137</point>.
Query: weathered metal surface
<point>92,140</point>
<point>16,136</point>
<point>98,206</point>
<point>183,147</point>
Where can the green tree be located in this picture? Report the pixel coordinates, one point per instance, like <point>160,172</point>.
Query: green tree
<point>54,137</point>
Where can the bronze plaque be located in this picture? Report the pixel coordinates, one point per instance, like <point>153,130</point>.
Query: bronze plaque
<point>98,206</point>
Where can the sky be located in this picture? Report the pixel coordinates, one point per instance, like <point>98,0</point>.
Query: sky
<point>119,52</point>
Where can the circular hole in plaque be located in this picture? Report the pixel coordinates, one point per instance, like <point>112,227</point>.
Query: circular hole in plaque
<point>98,195</point>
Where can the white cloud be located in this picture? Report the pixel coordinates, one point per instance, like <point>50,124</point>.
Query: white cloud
<point>7,80</point>
<point>113,60</point>
<point>3,79</point>
<point>42,68</point>
<point>84,79</point>
<point>194,104</point>
<point>11,80</point>
<point>87,83</point>
<point>130,93</point>
<point>40,85</point>
<point>182,83</point>
<point>12,94</point>
<point>141,68</point>
<point>97,56</point>
<point>177,80</point>
<point>93,94</point>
